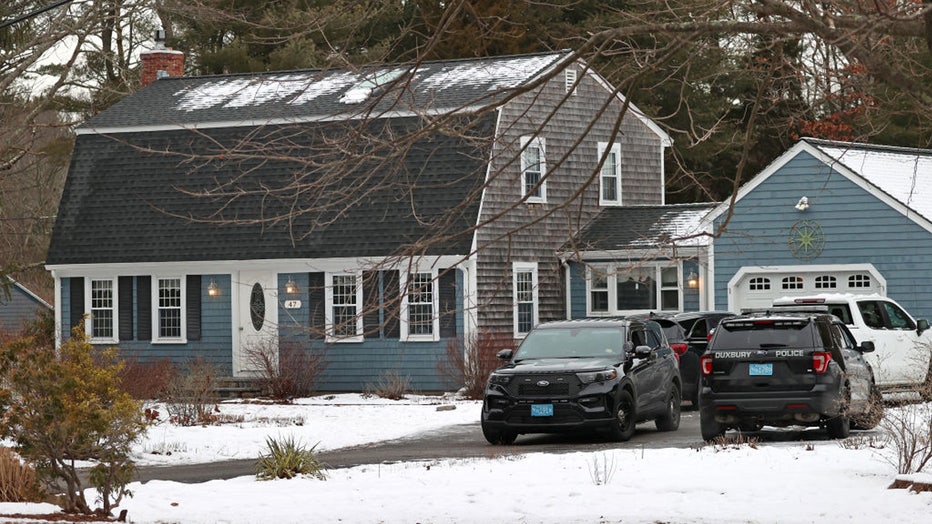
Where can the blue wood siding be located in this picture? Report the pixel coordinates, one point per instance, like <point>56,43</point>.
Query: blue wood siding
<point>858,227</point>
<point>577,290</point>
<point>18,308</point>
<point>215,345</point>
<point>358,366</point>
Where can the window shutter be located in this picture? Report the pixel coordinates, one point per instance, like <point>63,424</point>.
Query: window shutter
<point>391,303</point>
<point>316,304</point>
<point>447,307</point>
<point>77,300</point>
<point>126,307</point>
<point>193,305</point>
<point>143,308</point>
<point>372,306</point>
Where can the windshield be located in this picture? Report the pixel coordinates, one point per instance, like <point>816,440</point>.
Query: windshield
<point>763,334</point>
<point>582,342</point>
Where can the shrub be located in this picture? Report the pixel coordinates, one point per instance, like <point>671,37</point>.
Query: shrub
<point>286,372</point>
<point>287,459</point>
<point>908,430</point>
<point>65,405</point>
<point>18,481</point>
<point>391,385</point>
<point>471,366</point>
<point>192,396</point>
<point>147,380</point>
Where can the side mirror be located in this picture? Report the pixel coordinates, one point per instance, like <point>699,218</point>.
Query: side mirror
<point>642,351</point>
<point>505,354</point>
<point>866,347</point>
<point>921,325</point>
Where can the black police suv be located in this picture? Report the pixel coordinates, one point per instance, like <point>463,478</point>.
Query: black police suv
<point>594,374</point>
<point>786,369</point>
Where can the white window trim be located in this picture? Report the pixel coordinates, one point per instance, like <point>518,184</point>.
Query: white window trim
<point>541,144</point>
<point>570,75</point>
<point>328,313</point>
<point>88,321</point>
<point>154,301</point>
<point>406,336</point>
<point>612,271</point>
<point>616,149</point>
<point>524,267</point>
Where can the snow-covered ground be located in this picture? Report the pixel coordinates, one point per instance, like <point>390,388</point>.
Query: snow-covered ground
<point>786,482</point>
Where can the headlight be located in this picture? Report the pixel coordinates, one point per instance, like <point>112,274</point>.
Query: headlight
<point>502,380</point>
<point>597,376</point>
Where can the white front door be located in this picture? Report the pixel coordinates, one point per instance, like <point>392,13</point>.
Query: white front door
<point>257,323</point>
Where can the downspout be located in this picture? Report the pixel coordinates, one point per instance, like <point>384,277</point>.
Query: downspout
<point>58,324</point>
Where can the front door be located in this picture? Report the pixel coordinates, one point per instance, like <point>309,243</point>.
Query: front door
<point>257,307</point>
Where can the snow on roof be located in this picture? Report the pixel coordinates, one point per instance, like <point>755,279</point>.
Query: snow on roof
<point>904,174</point>
<point>681,226</point>
<point>301,87</point>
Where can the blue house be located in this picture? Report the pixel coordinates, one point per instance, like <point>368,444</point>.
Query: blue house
<point>18,305</point>
<point>828,217</point>
<point>379,218</point>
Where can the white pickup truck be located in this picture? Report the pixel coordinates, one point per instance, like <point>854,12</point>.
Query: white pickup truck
<point>903,346</point>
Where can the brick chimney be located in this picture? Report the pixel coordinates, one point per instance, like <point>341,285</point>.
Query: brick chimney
<point>161,62</point>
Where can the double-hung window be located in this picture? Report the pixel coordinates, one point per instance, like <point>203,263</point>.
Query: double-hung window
<point>610,174</point>
<point>620,290</point>
<point>344,296</point>
<point>102,323</point>
<point>419,307</point>
<point>170,311</point>
<point>533,170</point>
<point>525,297</point>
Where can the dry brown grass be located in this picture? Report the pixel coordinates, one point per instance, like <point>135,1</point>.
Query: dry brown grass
<point>18,482</point>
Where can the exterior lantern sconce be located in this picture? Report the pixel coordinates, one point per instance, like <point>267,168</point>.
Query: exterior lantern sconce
<point>290,287</point>
<point>692,280</point>
<point>803,204</point>
<point>213,289</point>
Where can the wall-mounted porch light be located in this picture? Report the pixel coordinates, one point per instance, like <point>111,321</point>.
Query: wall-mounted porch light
<point>213,289</point>
<point>803,204</point>
<point>692,280</point>
<point>290,287</point>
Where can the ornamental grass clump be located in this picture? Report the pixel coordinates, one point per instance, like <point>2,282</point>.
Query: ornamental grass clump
<point>287,458</point>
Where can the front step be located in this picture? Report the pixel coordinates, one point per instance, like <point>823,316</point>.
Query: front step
<point>233,387</point>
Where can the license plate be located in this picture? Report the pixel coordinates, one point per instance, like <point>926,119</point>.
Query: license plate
<point>761,370</point>
<point>541,410</point>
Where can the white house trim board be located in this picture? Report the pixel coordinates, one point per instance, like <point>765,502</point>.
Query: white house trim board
<point>828,269</point>
<point>829,161</point>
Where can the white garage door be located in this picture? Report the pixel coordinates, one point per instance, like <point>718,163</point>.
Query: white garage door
<point>757,287</point>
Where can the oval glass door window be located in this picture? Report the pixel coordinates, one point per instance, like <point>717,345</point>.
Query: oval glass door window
<point>257,306</point>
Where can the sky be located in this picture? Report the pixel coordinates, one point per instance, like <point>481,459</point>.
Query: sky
<point>771,482</point>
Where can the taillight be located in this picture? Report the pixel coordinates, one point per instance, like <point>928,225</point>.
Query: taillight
<point>820,360</point>
<point>705,363</point>
<point>708,338</point>
<point>679,349</point>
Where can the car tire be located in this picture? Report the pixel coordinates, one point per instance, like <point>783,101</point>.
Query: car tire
<point>624,421</point>
<point>925,389</point>
<point>670,420</point>
<point>710,428</point>
<point>839,426</point>
<point>874,414</point>
<point>498,437</point>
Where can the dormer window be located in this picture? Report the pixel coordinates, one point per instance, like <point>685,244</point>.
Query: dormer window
<point>533,170</point>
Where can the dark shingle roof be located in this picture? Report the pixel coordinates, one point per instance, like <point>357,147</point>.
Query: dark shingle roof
<point>636,227</point>
<point>269,192</point>
<point>248,99</point>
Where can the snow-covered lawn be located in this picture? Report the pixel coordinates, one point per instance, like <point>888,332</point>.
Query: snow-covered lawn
<point>794,482</point>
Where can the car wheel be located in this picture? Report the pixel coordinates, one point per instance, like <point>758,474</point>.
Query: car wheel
<point>623,424</point>
<point>710,428</point>
<point>498,436</point>
<point>670,420</point>
<point>839,426</point>
<point>925,389</point>
<point>874,414</point>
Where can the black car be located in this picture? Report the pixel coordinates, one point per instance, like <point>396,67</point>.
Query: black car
<point>786,369</point>
<point>698,326</point>
<point>594,374</point>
